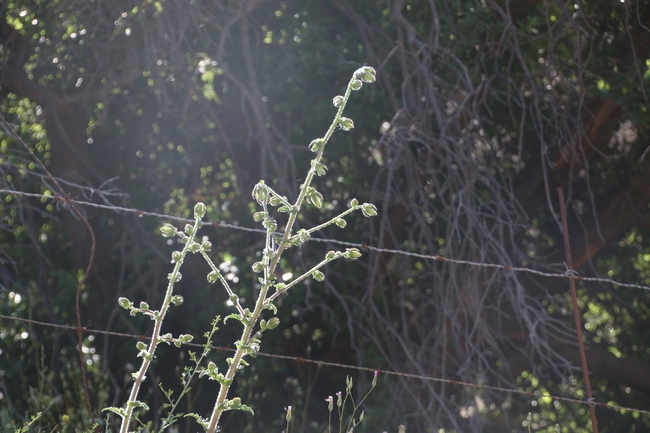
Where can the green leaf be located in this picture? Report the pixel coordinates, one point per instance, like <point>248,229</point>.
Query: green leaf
<point>318,276</point>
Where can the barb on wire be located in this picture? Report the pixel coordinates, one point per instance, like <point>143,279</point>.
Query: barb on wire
<point>535,394</point>
<point>364,246</point>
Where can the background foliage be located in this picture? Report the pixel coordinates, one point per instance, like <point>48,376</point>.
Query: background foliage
<point>481,109</point>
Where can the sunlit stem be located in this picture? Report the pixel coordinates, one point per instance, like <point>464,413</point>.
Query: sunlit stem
<point>231,294</point>
<point>155,337</point>
<point>309,178</point>
<point>332,221</point>
<point>299,279</point>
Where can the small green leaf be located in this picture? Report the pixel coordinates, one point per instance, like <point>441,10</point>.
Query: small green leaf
<point>318,276</point>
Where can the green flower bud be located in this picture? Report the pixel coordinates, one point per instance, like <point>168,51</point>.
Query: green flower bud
<point>189,228</point>
<point>330,255</point>
<point>259,216</point>
<point>317,199</point>
<point>318,276</point>
<point>356,84</point>
<point>141,346</point>
<point>176,300</point>
<point>125,303</point>
<point>167,230</point>
<point>366,74</point>
<point>354,203</point>
<point>303,235</point>
<point>368,210</point>
<point>177,256</point>
<point>346,124</point>
<point>206,246</point>
<point>185,338</point>
<point>260,194</point>
<point>258,267</point>
<point>319,167</point>
<point>270,224</point>
<point>144,306</point>
<point>213,277</point>
<point>288,409</point>
<point>340,222</point>
<point>316,145</point>
<point>275,200</point>
<point>338,101</point>
<point>194,247</point>
<point>175,279</point>
<point>352,253</point>
<point>199,210</point>
<point>272,323</point>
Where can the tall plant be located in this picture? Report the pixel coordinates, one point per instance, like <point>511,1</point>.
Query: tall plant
<point>270,289</point>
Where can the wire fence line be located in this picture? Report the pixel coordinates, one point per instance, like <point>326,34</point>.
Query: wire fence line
<point>220,224</point>
<point>300,360</point>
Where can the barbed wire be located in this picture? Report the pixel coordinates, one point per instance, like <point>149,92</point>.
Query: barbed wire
<point>534,394</point>
<point>439,258</point>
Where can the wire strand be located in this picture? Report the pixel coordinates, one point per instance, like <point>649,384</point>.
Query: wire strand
<point>535,394</point>
<point>220,224</point>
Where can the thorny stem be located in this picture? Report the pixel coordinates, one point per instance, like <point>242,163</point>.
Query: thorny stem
<point>155,338</point>
<point>269,269</point>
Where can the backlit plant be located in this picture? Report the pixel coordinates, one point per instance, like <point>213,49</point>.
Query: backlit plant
<point>270,289</point>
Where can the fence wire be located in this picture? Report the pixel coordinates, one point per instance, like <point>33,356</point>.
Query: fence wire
<point>300,360</point>
<point>439,258</point>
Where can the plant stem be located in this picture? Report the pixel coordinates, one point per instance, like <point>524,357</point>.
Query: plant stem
<point>269,269</point>
<point>236,360</point>
<point>155,338</point>
<point>308,179</point>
